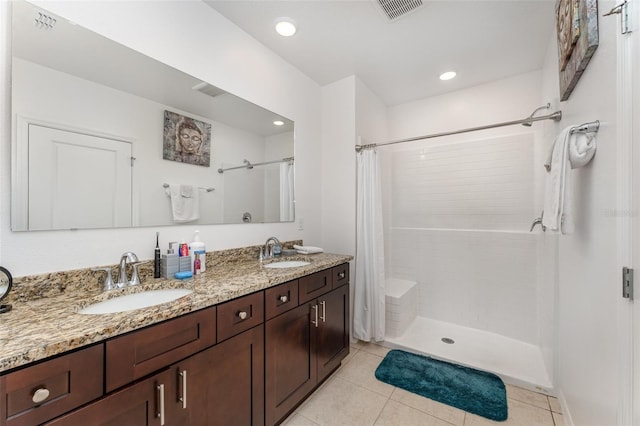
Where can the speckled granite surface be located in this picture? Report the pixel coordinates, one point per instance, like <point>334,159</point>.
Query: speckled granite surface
<point>44,320</point>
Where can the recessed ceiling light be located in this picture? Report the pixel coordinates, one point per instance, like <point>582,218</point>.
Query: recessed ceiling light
<point>279,123</point>
<point>286,27</point>
<point>447,75</point>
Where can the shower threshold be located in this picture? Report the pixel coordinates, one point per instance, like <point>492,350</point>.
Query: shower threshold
<point>516,362</point>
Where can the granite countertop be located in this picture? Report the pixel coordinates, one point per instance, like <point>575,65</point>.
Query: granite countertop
<point>42,327</point>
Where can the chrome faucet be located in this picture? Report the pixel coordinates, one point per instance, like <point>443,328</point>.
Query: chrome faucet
<point>122,274</point>
<point>272,250</point>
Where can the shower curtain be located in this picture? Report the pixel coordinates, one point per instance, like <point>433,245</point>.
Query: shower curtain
<point>286,192</point>
<point>369,295</point>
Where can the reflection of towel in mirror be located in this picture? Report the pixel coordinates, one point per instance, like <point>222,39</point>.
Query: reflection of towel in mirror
<point>185,205</point>
<point>569,151</point>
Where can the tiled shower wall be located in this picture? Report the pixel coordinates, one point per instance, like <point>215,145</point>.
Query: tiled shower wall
<point>458,218</point>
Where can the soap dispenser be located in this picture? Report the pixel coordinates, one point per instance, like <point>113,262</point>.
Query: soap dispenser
<point>170,263</point>
<point>198,254</point>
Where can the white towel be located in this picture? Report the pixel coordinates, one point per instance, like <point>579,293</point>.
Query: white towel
<point>582,148</point>
<point>185,204</point>
<point>307,249</point>
<point>569,151</point>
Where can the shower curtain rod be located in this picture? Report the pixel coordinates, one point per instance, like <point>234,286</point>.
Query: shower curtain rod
<point>555,116</point>
<point>249,165</point>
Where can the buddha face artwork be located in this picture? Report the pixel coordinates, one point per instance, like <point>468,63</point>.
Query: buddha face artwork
<point>186,140</point>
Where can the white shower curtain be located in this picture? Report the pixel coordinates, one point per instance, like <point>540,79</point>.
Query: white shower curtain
<point>286,192</point>
<point>369,295</point>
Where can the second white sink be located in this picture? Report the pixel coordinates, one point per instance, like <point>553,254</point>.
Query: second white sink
<point>287,264</point>
<point>136,301</point>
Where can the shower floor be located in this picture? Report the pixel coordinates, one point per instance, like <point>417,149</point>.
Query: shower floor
<point>516,362</point>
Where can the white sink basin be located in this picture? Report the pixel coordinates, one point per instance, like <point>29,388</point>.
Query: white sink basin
<point>287,264</point>
<point>135,301</point>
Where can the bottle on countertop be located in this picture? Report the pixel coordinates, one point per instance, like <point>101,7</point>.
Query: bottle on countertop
<point>198,254</point>
<point>184,256</point>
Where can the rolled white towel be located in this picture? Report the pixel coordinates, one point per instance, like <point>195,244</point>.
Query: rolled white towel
<point>582,147</point>
<point>307,249</point>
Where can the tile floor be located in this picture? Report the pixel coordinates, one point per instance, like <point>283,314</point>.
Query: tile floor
<point>353,396</point>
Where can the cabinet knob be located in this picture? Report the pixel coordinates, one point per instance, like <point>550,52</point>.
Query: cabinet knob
<point>341,275</point>
<point>242,315</point>
<point>40,395</point>
<point>283,298</point>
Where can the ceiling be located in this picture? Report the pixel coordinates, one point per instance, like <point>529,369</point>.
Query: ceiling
<point>401,60</point>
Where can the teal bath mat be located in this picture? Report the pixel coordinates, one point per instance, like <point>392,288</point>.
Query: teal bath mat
<point>475,391</point>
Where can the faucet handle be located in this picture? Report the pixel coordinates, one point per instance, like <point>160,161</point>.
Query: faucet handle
<point>108,280</point>
<point>135,277</point>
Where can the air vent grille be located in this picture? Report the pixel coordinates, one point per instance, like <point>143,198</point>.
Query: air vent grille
<point>208,89</point>
<point>394,9</point>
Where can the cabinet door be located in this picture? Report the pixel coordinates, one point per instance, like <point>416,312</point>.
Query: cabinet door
<point>136,405</point>
<point>223,385</point>
<point>290,360</point>
<point>333,330</point>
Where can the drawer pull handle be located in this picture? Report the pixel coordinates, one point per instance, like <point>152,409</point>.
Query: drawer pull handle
<point>323,317</point>
<point>341,275</point>
<point>161,403</point>
<point>315,310</point>
<point>40,395</point>
<point>242,315</point>
<point>283,298</point>
<point>183,398</point>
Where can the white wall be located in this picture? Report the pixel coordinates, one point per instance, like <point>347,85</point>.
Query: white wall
<point>338,166</point>
<point>237,63</point>
<point>588,287</point>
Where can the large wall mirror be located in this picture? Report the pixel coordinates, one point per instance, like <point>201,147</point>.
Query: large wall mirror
<point>103,136</point>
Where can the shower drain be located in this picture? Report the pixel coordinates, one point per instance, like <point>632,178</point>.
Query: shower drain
<point>448,341</point>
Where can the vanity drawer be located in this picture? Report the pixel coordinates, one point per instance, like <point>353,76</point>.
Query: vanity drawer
<point>340,275</point>
<point>62,384</point>
<point>314,285</point>
<point>142,352</point>
<point>280,299</point>
<point>240,314</point>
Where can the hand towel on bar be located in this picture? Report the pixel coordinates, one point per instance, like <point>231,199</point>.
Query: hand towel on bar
<point>569,151</point>
<point>582,148</point>
<point>307,249</point>
<point>185,204</point>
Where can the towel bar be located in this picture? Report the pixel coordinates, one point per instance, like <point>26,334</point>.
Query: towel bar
<point>166,185</point>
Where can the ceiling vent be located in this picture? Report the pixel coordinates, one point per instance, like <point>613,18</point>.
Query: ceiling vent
<point>208,89</point>
<point>394,9</point>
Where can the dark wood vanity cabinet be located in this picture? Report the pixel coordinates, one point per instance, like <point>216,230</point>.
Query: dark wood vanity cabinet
<point>222,385</point>
<point>223,365</point>
<point>305,344</point>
